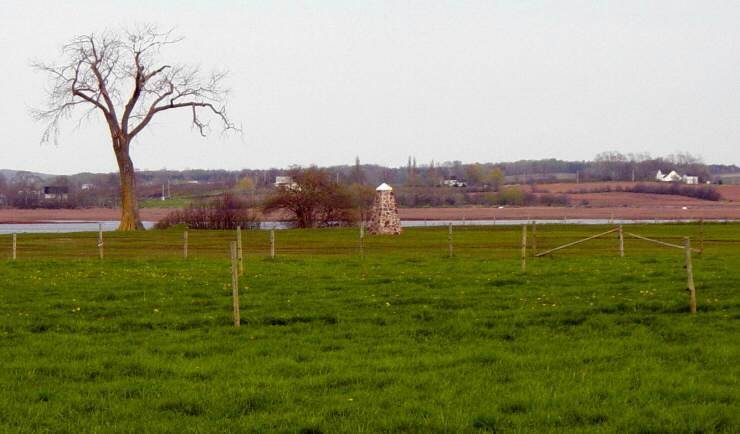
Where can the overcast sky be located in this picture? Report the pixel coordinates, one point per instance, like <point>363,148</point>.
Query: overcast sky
<point>323,81</point>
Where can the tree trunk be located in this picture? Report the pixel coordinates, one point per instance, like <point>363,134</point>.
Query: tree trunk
<point>130,220</point>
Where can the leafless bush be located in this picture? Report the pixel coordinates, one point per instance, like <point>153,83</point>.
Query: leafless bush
<point>225,212</point>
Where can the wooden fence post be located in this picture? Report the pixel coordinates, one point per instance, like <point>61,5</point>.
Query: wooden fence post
<point>524,248</point>
<point>362,239</point>
<point>185,244</point>
<point>534,237</point>
<point>690,276</point>
<point>235,284</point>
<point>239,251</point>
<point>15,242</point>
<point>449,240</point>
<point>272,243</point>
<point>621,242</point>
<point>100,240</point>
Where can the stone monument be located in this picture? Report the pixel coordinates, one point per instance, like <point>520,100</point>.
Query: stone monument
<point>384,215</point>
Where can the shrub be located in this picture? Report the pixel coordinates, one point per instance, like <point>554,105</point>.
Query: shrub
<point>224,212</point>
<point>315,200</point>
<point>512,196</point>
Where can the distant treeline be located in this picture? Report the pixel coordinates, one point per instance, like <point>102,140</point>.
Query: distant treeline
<point>607,166</point>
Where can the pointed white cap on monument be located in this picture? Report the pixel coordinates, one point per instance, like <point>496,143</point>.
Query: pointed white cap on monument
<point>384,187</point>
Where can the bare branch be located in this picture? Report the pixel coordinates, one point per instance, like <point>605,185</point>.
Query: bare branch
<point>113,73</point>
<point>99,69</point>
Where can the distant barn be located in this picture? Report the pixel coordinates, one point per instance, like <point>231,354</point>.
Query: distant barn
<point>673,176</point>
<point>56,192</point>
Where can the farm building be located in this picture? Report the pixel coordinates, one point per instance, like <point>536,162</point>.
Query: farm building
<point>673,176</point>
<point>454,182</point>
<point>56,192</point>
<point>285,182</point>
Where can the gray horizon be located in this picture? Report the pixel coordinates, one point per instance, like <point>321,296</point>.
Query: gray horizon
<point>476,81</point>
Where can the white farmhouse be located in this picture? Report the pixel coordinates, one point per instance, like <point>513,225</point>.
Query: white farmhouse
<point>675,177</point>
<point>671,177</point>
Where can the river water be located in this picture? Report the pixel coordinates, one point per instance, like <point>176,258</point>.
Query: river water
<point>92,226</point>
<point>62,227</point>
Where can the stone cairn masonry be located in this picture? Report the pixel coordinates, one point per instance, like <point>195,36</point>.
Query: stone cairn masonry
<point>384,218</point>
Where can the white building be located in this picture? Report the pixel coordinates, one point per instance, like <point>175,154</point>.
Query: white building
<point>675,177</point>
<point>454,182</point>
<point>671,177</point>
<point>56,192</point>
<point>285,182</point>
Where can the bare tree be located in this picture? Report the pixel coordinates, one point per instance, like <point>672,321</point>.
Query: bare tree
<point>316,199</point>
<point>116,74</point>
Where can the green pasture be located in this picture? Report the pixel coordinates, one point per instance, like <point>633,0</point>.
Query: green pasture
<point>173,202</point>
<point>401,338</point>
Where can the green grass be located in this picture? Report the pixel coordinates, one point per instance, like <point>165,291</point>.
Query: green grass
<point>173,202</point>
<point>404,340</point>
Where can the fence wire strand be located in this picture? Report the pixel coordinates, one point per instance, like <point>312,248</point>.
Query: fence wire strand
<point>496,242</point>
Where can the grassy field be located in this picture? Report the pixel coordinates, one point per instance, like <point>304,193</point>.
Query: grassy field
<point>173,202</point>
<point>404,340</point>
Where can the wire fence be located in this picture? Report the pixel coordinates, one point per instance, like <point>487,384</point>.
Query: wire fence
<point>456,241</point>
<point>527,242</point>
